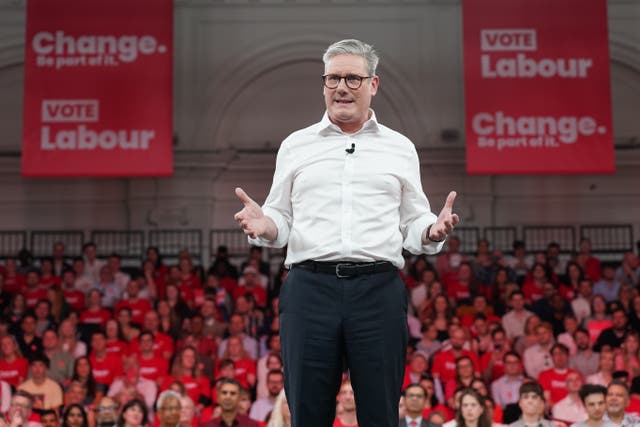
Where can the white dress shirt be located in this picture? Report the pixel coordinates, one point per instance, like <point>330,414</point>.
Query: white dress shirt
<point>330,205</point>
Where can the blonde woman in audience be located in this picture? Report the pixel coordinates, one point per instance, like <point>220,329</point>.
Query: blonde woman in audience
<point>530,336</point>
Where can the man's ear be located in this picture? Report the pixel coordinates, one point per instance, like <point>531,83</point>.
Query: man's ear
<point>375,82</point>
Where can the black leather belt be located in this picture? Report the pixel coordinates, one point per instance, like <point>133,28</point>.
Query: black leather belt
<point>345,269</point>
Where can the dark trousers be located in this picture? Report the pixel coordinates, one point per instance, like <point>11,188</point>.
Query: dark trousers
<point>325,320</point>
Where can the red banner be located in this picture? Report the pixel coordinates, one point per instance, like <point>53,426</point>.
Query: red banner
<point>537,87</point>
<point>98,88</point>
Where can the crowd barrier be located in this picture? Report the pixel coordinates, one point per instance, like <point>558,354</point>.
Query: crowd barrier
<point>606,239</point>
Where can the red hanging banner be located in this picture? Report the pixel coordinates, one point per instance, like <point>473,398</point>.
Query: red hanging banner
<point>98,88</point>
<point>537,87</point>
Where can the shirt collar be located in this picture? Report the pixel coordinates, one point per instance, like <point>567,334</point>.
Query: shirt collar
<point>417,420</point>
<point>327,127</point>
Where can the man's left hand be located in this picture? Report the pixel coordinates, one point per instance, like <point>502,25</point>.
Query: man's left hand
<point>446,220</point>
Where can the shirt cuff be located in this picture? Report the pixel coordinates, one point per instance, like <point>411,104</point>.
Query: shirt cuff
<point>283,231</point>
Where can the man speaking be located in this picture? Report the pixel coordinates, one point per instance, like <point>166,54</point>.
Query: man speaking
<point>346,198</point>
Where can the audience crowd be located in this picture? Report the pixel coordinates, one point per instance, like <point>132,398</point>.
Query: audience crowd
<point>529,339</point>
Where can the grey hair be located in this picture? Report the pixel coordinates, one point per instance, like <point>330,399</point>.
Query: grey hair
<point>166,395</point>
<point>353,47</point>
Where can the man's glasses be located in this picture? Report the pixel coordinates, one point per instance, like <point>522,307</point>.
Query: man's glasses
<point>353,81</point>
<point>415,396</point>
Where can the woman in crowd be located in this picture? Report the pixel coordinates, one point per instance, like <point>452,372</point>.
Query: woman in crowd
<point>134,414</point>
<point>186,369</point>
<point>473,410</point>
<point>128,330</point>
<point>599,319</point>
<point>530,337</point>
<point>176,302</point>
<point>572,278</point>
<point>83,374</point>
<point>627,359</point>
<point>13,367</point>
<point>116,342</point>
<point>16,309</point>
<point>533,284</point>
<point>441,316</point>
<point>605,369</point>
<point>74,416</point>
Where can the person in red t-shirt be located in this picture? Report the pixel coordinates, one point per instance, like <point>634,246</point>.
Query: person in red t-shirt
<point>48,278</point>
<point>460,287</point>
<point>188,371</point>
<point>251,286</point>
<point>464,378</point>
<point>13,367</point>
<point>106,367</point>
<point>346,415</point>
<point>14,282</point>
<point>95,314</point>
<point>115,343</point>
<point>245,371</point>
<point>163,344</point>
<point>533,284</point>
<point>35,291</point>
<point>72,296</point>
<point>554,380</point>
<point>151,367</point>
<point>444,363</point>
<point>138,306</point>
<point>492,362</point>
<point>590,264</point>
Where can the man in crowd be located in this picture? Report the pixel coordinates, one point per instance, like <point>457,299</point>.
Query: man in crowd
<point>617,401</point>
<point>237,329</point>
<point>513,322</point>
<point>346,416</point>
<point>169,406</point>
<point>60,362</point>
<point>20,410</point>
<point>614,336</point>
<point>49,418</point>
<point>531,402</point>
<point>106,366</point>
<point>593,398</point>
<point>537,358</point>
<point>46,392</point>
<point>444,362</point>
<point>554,379</point>
<point>228,392</point>
<point>585,360</point>
<point>505,390</point>
<point>414,399</point>
<point>262,407</point>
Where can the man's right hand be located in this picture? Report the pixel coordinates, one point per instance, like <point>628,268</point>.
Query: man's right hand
<point>252,220</point>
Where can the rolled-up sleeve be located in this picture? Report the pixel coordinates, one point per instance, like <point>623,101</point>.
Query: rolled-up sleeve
<point>415,211</point>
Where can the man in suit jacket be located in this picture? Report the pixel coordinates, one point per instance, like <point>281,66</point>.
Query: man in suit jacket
<point>414,398</point>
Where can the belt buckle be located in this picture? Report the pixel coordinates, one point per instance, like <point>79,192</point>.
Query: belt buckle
<point>338,275</point>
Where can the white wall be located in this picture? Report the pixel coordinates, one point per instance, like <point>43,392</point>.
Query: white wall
<point>242,83</point>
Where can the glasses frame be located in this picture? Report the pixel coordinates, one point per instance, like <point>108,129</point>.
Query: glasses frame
<point>346,82</point>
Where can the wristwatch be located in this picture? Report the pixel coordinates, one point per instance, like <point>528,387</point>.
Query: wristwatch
<point>430,239</point>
